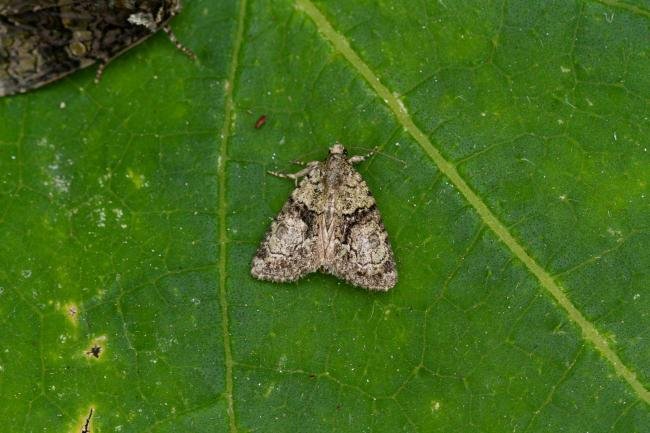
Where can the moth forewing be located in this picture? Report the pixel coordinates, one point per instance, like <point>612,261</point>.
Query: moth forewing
<point>43,41</point>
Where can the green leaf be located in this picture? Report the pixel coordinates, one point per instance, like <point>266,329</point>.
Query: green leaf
<point>512,180</point>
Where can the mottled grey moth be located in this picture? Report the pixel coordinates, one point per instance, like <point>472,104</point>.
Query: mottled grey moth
<point>331,224</point>
<point>44,40</point>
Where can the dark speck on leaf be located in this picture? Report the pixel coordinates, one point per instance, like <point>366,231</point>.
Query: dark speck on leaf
<point>94,351</point>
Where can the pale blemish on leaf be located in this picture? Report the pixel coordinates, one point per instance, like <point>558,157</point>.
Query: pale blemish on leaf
<point>282,362</point>
<point>59,183</point>
<point>139,181</point>
<point>70,310</point>
<point>269,390</point>
<point>72,313</point>
<point>101,217</point>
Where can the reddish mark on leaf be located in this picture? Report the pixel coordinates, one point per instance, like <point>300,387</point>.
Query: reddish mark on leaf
<point>260,122</point>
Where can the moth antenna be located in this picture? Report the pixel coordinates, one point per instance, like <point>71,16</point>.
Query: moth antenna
<point>379,152</point>
<point>177,44</point>
<point>292,176</point>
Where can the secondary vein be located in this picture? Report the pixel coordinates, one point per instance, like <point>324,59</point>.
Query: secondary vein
<point>589,331</point>
<point>637,10</point>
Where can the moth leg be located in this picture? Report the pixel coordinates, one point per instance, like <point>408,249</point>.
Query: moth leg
<point>177,44</point>
<point>360,158</point>
<point>100,70</point>
<point>298,175</point>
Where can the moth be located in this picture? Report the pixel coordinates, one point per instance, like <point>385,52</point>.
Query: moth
<point>331,224</point>
<point>44,40</point>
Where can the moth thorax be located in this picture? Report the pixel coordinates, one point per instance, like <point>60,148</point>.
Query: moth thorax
<point>124,4</point>
<point>334,178</point>
<point>144,19</point>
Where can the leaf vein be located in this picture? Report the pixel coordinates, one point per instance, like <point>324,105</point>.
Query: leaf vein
<point>223,212</point>
<point>637,10</point>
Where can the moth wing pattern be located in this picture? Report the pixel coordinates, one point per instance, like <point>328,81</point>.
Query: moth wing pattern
<point>331,224</point>
<point>28,60</point>
<point>43,41</point>
<point>18,6</point>
<point>291,246</point>
<point>362,254</point>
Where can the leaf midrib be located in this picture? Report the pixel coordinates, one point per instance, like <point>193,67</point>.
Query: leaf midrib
<point>589,331</point>
<point>222,212</point>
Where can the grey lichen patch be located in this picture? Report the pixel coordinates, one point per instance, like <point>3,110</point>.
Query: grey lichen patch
<point>330,223</point>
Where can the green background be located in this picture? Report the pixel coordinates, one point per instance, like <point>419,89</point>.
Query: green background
<point>512,179</point>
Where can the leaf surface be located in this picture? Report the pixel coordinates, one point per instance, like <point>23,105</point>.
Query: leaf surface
<point>512,178</point>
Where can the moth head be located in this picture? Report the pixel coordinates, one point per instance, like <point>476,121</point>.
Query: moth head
<point>338,149</point>
<point>146,17</point>
<point>174,6</point>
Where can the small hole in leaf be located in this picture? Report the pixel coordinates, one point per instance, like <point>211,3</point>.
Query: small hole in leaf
<point>86,426</point>
<point>94,352</point>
